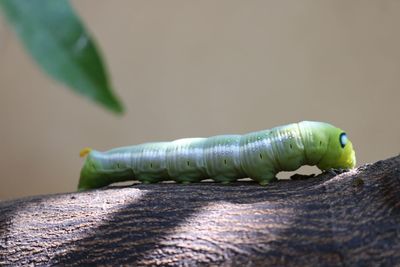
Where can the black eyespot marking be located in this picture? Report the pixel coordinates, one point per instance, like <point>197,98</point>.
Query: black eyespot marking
<point>343,139</point>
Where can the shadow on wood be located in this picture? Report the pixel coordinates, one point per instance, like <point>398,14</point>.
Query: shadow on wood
<point>349,219</point>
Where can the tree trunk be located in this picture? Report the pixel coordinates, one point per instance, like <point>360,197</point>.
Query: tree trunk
<point>349,219</point>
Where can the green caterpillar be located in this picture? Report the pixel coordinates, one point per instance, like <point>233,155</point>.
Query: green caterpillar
<point>224,158</point>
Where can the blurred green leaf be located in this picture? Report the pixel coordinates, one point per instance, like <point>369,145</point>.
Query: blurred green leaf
<point>57,40</point>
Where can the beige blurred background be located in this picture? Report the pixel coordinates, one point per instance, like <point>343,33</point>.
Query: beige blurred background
<point>201,68</point>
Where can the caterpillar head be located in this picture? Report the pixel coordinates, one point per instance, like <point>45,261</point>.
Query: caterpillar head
<point>340,153</point>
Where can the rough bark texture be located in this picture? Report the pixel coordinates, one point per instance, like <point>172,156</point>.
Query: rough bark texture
<point>349,219</point>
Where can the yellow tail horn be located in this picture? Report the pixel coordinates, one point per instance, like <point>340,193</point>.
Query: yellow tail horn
<point>84,152</point>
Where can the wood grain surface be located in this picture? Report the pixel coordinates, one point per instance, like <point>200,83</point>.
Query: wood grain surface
<point>350,219</point>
